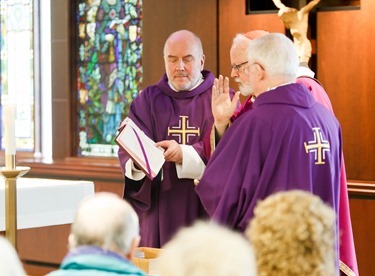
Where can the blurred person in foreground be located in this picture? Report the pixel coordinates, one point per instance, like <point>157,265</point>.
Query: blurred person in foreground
<point>10,264</point>
<point>293,233</point>
<point>207,249</point>
<point>103,238</point>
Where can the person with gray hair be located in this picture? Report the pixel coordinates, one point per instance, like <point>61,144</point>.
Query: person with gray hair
<point>223,110</point>
<point>207,249</point>
<point>226,107</point>
<point>293,233</point>
<point>287,141</point>
<point>10,264</point>
<point>103,238</point>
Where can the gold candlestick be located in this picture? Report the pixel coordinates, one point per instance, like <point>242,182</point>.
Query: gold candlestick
<point>10,172</point>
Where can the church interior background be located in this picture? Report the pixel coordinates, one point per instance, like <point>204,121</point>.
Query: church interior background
<point>74,67</point>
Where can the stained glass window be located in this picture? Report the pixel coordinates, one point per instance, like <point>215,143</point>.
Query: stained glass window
<point>109,70</point>
<point>17,63</point>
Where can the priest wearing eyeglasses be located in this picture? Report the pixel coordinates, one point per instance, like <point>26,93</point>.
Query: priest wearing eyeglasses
<point>287,141</point>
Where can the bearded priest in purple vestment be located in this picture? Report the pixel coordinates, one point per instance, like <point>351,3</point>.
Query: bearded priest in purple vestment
<point>175,113</point>
<point>287,141</point>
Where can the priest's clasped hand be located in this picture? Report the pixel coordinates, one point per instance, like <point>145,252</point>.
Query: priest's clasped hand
<point>173,151</point>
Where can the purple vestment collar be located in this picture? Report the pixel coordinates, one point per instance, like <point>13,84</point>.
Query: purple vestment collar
<point>296,95</point>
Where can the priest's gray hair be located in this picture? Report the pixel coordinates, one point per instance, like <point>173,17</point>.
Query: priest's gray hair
<point>277,54</point>
<point>293,233</point>
<point>241,40</point>
<point>10,263</point>
<point>107,221</point>
<point>240,44</point>
<point>207,249</point>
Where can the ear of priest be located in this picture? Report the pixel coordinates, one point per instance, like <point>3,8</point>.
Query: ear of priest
<point>103,238</point>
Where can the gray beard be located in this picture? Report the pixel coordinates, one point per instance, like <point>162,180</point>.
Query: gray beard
<point>245,90</point>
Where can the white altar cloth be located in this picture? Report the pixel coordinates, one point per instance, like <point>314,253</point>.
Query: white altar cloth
<point>45,202</point>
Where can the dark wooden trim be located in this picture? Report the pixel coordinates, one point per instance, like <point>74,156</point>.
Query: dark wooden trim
<point>75,168</point>
<point>361,189</point>
<point>73,53</point>
<point>362,209</point>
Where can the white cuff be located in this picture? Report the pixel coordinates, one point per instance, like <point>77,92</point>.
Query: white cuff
<point>192,165</point>
<point>132,172</point>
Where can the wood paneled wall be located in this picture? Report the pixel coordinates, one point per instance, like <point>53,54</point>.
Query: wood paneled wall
<point>61,78</point>
<point>346,66</point>
<point>161,18</point>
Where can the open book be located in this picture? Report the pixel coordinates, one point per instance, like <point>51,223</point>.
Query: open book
<point>141,148</point>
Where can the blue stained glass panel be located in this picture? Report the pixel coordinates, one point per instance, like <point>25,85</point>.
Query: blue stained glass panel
<point>109,70</point>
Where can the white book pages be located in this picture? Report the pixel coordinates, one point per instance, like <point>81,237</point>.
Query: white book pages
<point>141,148</point>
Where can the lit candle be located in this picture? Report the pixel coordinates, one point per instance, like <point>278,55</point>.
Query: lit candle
<point>9,115</point>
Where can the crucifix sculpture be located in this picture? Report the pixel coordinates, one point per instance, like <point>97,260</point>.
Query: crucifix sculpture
<point>297,22</point>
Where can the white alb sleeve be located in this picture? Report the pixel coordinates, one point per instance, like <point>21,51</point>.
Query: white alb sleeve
<point>192,165</point>
<point>132,172</point>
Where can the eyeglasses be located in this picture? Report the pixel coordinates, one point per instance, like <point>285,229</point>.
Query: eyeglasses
<point>238,66</point>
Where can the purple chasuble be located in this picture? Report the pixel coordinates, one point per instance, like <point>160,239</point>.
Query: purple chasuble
<point>164,206</point>
<point>288,141</point>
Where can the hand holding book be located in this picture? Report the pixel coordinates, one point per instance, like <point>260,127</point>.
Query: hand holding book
<point>173,151</point>
<point>141,149</point>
